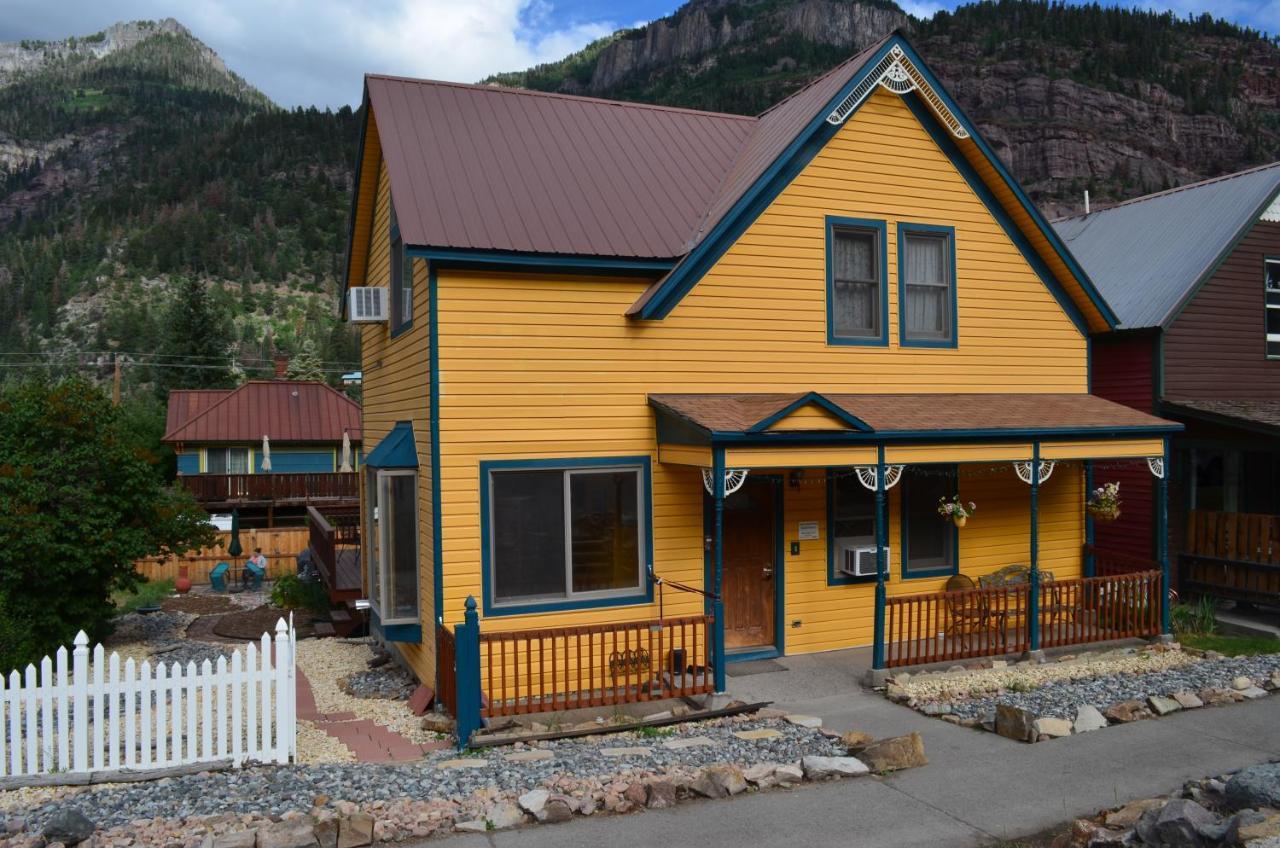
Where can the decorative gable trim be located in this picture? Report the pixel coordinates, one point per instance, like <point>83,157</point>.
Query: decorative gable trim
<point>898,74</point>
<point>851,422</point>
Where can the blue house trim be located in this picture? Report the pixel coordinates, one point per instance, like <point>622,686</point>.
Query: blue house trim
<point>834,577</point>
<point>815,399</point>
<point>396,450</point>
<point>882,268</point>
<point>954,568</point>
<point>642,596</point>
<point>905,228</point>
<point>460,258</point>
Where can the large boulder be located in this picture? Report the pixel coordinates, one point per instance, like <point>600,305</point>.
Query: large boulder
<point>1015,723</point>
<point>1255,786</point>
<point>1180,824</point>
<point>1127,711</point>
<point>900,752</point>
<point>68,826</point>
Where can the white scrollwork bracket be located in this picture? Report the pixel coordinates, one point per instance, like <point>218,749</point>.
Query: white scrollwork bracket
<point>1023,470</point>
<point>867,476</point>
<point>1156,464</point>
<point>733,480</point>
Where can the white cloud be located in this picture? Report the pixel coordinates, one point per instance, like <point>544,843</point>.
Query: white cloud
<point>921,8</point>
<point>303,52</point>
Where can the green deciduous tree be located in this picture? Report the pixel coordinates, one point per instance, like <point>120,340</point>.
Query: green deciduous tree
<point>82,497</point>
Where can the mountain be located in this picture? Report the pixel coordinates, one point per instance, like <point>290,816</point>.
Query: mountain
<point>1117,101</point>
<point>134,158</point>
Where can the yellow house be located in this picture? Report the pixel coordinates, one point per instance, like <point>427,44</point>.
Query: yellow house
<point>699,384</point>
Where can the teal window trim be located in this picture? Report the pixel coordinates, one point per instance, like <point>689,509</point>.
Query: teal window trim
<point>834,577</point>
<point>643,595</point>
<point>1268,260</point>
<point>903,561</point>
<point>410,633</point>
<point>400,262</point>
<point>906,228</point>
<point>879,229</point>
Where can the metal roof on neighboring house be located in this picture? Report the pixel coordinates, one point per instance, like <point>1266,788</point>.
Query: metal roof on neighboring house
<point>185,404</point>
<point>1147,255</point>
<point>284,410</point>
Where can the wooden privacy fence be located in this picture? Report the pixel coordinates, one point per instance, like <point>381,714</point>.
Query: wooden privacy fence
<point>565,668</point>
<point>101,715</point>
<point>981,622</point>
<point>281,547</point>
<point>1231,555</point>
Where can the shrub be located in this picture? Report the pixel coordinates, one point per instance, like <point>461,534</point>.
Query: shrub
<point>148,594</point>
<point>292,593</point>
<point>1195,618</point>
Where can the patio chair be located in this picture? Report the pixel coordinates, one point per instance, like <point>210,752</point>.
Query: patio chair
<point>218,577</point>
<point>251,577</point>
<point>967,614</point>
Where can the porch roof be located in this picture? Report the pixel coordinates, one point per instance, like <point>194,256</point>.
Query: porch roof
<point>1258,415</point>
<point>811,416</point>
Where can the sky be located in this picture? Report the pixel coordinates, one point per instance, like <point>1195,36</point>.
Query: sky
<point>314,52</point>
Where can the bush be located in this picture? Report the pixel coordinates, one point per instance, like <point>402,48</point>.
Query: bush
<point>148,594</point>
<point>292,593</point>
<point>1195,618</point>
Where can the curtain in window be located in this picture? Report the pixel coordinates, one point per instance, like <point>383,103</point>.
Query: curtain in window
<point>237,460</point>
<point>925,270</point>
<point>855,284</point>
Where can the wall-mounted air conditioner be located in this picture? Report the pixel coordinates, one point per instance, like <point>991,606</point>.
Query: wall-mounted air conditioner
<point>367,304</point>
<point>860,561</point>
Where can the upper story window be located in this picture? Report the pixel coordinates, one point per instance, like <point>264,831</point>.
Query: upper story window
<point>1272,270</point>
<point>927,285</point>
<point>856,303</point>
<point>401,280</point>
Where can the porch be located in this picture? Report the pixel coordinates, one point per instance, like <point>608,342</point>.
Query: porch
<point>1231,555</point>
<point>223,491</point>
<point>334,538</point>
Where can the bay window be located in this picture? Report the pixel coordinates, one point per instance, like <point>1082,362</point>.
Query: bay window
<point>394,544</point>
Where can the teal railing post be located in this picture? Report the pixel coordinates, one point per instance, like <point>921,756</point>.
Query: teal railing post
<point>467,662</point>
<point>1162,540</point>
<point>1090,566</point>
<point>717,496</point>
<point>1033,587</point>
<point>882,523</point>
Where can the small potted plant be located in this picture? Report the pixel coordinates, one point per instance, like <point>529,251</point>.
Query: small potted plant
<point>956,510</point>
<point>1104,502</point>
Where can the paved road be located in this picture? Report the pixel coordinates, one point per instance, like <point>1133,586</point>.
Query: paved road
<point>977,788</point>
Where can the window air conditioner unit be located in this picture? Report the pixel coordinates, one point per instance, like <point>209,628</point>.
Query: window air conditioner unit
<point>367,304</point>
<point>861,561</point>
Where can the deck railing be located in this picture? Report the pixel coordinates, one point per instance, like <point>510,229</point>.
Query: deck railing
<point>982,622</point>
<point>1231,555</point>
<point>446,658</point>
<point>298,488</point>
<point>335,533</point>
<point>565,668</point>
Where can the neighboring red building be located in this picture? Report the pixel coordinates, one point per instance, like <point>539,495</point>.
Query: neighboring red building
<point>1194,276</point>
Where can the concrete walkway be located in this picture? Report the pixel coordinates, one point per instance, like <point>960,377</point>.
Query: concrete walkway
<point>978,787</point>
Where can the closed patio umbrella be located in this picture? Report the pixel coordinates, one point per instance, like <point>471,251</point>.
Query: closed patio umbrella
<point>266,452</point>
<point>234,548</point>
<point>346,452</point>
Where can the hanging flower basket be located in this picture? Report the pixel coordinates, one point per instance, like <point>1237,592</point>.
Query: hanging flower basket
<point>955,510</point>
<point>1104,502</point>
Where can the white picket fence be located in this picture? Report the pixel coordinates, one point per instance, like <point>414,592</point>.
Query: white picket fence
<point>98,720</point>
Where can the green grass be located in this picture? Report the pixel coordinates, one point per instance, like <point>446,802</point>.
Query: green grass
<point>144,595</point>
<point>1231,646</point>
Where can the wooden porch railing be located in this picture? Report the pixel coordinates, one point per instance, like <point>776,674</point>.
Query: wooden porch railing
<point>1230,555</point>
<point>295,488</point>
<point>565,668</point>
<point>335,544</point>
<point>950,626</point>
<point>446,659</point>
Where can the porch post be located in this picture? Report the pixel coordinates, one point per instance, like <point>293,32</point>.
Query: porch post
<point>1033,588</point>
<point>1090,566</point>
<point>882,520</point>
<point>1162,540</point>
<point>717,494</point>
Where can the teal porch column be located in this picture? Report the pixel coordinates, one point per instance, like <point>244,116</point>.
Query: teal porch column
<point>1090,566</point>
<point>1033,588</point>
<point>1162,539</point>
<point>467,662</point>
<point>717,574</point>
<point>882,534</point>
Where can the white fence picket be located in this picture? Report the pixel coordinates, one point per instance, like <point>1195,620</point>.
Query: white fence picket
<point>64,712</point>
<point>146,687</point>
<point>131,686</point>
<point>112,698</point>
<point>98,690</point>
<point>30,689</point>
<point>264,753</point>
<point>162,706</point>
<point>237,708</point>
<point>15,723</point>
<point>250,702</point>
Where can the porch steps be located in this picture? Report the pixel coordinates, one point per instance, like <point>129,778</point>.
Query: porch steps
<point>346,620</point>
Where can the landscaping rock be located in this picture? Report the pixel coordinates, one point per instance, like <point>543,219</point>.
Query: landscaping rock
<point>1126,711</point>
<point>68,826</point>
<point>531,756</point>
<point>1254,692</point>
<point>935,709</point>
<point>899,752</point>
<point>1128,815</point>
<point>235,839</point>
<point>688,742</point>
<point>326,831</point>
<point>504,815</point>
<point>820,768</point>
<point>1015,723</point>
<point>1051,727</point>
<point>288,834</point>
<point>758,734</point>
<point>1188,700</point>
<point>1088,719</point>
<point>1163,706</point>
<point>636,794</point>
<point>355,830</point>
<point>720,782</point>
<point>1254,786</point>
<point>472,826</point>
<point>557,810</point>
<point>789,773</point>
<point>812,722</point>
<point>534,801</point>
<point>1241,683</point>
<point>635,751</point>
<point>661,795</point>
<point>438,723</point>
<point>1259,826</point>
<point>1179,824</point>
<point>761,775</point>
<point>856,740</point>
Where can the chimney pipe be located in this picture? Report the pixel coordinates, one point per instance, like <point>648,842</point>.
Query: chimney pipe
<point>282,366</point>
<point>1086,201</point>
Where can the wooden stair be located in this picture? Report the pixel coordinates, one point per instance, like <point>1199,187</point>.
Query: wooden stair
<point>346,620</point>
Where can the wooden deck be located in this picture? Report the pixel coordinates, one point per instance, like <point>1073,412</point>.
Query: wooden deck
<point>335,544</point>
<point>229,490</point>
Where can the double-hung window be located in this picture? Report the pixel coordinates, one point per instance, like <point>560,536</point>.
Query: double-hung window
<point>930,543</point>
<point>571,536</point>
<point>401,279</point>
<point>227,460</point>
<point>1272,271</point>
<point>394,521</point>
<point>927,285</point>
<point>856,302</point>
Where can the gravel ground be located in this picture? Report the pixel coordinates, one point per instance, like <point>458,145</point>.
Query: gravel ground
<point>390,682</point>
<point>1063,697</point>
<point>157,628</point>
<point>277,790</point>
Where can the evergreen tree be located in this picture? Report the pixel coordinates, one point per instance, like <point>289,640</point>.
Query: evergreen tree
<point>305,364</point>
<point>195,351</point>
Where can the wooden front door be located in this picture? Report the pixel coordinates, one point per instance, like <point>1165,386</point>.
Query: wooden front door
<point>750,565</point>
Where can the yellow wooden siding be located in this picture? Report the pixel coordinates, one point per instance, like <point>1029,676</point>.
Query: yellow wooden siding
<point>917,454</point>
<point>799,457</point>
<point>396,388</point>
<point>685,455</point>
<point>1119,448</point>
<point>367,193</point>
<point>546,366</point>
<point>810,417</point>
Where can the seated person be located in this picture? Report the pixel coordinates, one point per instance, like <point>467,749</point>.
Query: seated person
<point>255,569</point>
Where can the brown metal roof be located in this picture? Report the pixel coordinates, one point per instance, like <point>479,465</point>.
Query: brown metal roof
<point>185,404</point>
<point>896,413</point>
<point>284,410</point>
<point>483,167</point>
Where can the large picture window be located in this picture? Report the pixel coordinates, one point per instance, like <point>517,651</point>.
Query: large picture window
<point>1271,269</point>
<point>573,534</point>
<point>853,525</point>
<point>927,285</point>
<point>396,583</point>
<point>856,282</point>
<point>929,543</point>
